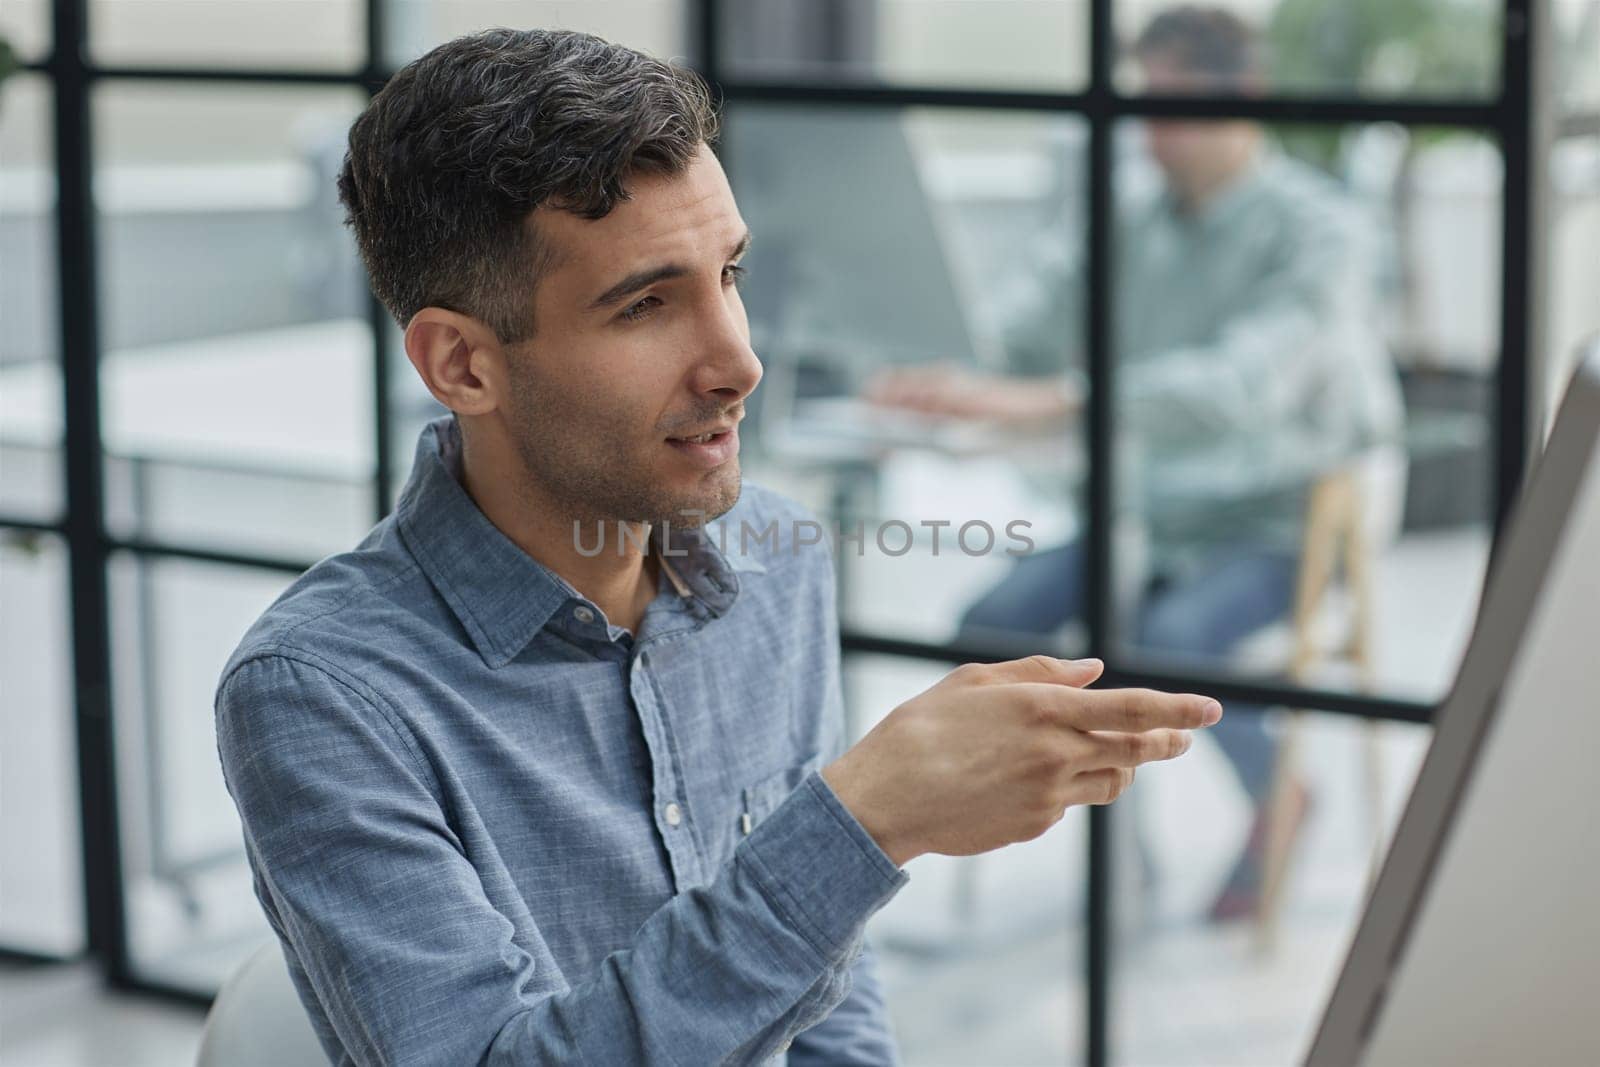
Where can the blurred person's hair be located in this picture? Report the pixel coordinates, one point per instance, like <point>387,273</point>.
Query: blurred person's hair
<point>1208,41</point>
<point>450,157</point>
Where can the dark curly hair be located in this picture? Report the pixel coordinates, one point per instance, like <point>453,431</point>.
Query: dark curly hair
<point>1209,41</point>
<point>450,157</point>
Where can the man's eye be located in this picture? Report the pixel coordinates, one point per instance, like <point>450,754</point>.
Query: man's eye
<point>643,309</point>
<point>640,310</point>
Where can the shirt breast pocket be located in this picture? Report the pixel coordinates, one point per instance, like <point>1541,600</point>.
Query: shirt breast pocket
<point>761,797</point>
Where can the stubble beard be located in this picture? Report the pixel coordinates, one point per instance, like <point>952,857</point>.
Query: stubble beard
<point>592,487</point>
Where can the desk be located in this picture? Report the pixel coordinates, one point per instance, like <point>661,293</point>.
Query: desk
<point>847,440</point>
<point>295,400</point>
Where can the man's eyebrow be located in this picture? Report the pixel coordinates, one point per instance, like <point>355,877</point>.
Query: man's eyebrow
<point>641,279</point>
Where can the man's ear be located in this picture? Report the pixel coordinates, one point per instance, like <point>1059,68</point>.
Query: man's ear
<point>459,359</point>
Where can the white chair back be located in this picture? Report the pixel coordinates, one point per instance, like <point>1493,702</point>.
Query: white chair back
<point>257,1019</point>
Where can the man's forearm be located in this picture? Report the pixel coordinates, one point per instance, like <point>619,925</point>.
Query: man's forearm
<point>743,964</point>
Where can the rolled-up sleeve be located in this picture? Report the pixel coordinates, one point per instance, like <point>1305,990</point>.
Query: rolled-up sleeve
<point>409,960</point>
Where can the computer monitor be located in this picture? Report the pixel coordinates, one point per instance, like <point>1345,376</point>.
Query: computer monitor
<point>1480,942</point>
<point>851,268</point>
<point>850,263</point>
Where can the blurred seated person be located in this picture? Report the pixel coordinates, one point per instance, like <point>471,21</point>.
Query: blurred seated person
<point>1249,360</point>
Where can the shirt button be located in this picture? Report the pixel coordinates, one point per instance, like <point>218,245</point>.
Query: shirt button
<point>583,614</point>
<point>674,815</point>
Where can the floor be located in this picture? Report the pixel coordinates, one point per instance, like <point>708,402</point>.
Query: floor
<point>62,1015</point>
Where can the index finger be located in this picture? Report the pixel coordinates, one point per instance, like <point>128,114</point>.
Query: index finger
<point>1127,710</point>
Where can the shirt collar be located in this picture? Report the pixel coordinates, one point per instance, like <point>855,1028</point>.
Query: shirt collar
<point>502,595</point>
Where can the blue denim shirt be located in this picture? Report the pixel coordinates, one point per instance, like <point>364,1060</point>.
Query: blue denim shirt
<point>489,827</point>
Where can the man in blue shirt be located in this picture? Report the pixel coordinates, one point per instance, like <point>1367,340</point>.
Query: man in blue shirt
<point>550,768</point>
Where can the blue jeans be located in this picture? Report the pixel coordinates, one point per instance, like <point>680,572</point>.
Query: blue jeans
<point>1203,617</point>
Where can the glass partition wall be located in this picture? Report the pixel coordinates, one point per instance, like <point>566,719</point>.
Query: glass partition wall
<point>1301,292</point>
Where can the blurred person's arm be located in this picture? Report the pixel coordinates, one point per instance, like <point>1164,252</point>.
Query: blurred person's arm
<point>946,389</point>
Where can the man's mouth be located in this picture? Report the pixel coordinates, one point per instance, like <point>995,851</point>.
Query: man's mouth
<point>707,433</point>
<point>709,449</point>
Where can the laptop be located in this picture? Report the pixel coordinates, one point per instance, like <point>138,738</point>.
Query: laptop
<point>1480,941</point>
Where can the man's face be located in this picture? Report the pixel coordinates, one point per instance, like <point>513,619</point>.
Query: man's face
<point>1183,148</point>
<point>641,339</point>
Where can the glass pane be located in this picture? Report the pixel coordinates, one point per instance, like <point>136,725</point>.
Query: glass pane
<point>1011,44</point>
<point>41,840</point>
<point>26,25</point>
<point>1216,960</point>
<point>1307,327</point>
<point>237,384</point>
<point>980,957</point>
<point>885,241</point>
<point>1574,269</point>
<point>1406,48</point>
<point>1575,42</point>
<point>30,372</point>
<point>308,35</point>
<point>192,911</point>
<point>659,27</point>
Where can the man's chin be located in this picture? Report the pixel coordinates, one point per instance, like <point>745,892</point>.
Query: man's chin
<point>713,498</point>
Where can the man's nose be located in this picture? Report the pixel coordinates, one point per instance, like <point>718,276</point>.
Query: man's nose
<point>730,366</point>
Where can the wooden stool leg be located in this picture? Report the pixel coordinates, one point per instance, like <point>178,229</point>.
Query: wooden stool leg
<point>1329,514</point>
<point>1281,818</point>
<point>1359,572</point>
